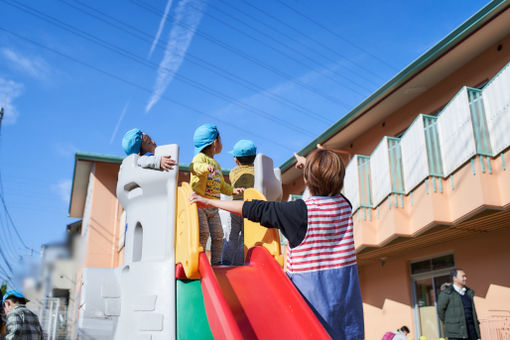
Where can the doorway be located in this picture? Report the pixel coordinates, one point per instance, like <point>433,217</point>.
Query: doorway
<point>427,278</point>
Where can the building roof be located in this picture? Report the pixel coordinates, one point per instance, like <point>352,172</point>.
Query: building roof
<point>439,62</point>
<point>83,162</point>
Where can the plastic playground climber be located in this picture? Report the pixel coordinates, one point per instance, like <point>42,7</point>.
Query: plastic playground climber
<point>167,286</point>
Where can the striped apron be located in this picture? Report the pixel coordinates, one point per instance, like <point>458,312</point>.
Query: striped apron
<point>323,267</point>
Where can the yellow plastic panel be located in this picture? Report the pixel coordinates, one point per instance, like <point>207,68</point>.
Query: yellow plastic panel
<point>187,241</point>
<point>256,235</point>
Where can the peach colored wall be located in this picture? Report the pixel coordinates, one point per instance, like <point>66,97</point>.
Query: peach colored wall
<point>386,291</point>
<point>483,67</point>
<point>102,233</point>
<point>470,194</point>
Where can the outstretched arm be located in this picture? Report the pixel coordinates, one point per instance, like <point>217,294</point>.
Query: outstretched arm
<point>235,207</point>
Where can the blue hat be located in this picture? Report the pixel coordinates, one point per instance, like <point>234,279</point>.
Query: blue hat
<point>13,293</point>
<point>244,148</point>
<point>132,141</point>
<point>204,136</point>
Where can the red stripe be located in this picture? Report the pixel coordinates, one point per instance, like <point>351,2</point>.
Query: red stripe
<point>294,251</point>
<point>311,215</point>
<point>324,260</point>
<point>324,209</point>
<point>322,267</point>
<point>310,235</point>
<point>341,221</point>
<point>332,202</point>
<point>328,228</point>
<point>326,241</point>
<point>326,253</point>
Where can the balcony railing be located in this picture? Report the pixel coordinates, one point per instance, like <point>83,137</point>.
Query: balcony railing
<point>475,122</point>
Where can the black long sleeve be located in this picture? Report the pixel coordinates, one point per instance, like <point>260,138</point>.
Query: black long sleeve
<point>290,217</point>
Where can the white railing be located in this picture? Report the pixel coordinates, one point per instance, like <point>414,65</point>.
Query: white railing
<point>414,155</point>
<point>456,133</point>
<point>496,100</point>
<point>473,122</point>
<point>381,175</point>
<point>351,183</point>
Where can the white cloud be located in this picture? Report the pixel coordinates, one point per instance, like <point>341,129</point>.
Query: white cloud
<point>63,189</point>
<point>34,66</point>
<point>187,17</point>
<point>161,26</point>
<point>123,113</point>
<point>9,90</point>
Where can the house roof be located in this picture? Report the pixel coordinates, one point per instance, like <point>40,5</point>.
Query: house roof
<point>438,62</point>
<point>83,162</point>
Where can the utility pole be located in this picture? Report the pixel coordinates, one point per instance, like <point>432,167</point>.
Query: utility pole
<point>1,116</point>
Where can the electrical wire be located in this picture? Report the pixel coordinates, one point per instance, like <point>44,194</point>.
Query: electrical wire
<point>137,86</point>
<point>338,36</point>
<point>190,57</point>
<point>142,61</point>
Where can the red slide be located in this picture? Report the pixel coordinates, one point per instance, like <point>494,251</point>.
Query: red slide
<point>256,301</point>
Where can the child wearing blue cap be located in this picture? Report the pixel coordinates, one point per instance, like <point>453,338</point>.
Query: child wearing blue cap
<point>22,323</point>
<point>207,181</point>
<point>242,176</point>
<point>137,142</point>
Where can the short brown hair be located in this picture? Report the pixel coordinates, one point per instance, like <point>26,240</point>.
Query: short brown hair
<point>324,173</point>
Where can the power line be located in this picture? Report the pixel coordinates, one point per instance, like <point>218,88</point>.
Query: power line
<point>308,37</point>
<point>142,61</point>
<point>283,52</point>
<point>244,55</point>
<point>336,35</point>
<point>135,32</point>
<point>135,85</point>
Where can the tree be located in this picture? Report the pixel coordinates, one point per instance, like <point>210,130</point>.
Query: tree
<point>3,288</point>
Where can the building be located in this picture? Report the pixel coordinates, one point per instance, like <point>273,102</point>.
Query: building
<point>94,202</point>
<point>429,180</point>
<point>52,291</point>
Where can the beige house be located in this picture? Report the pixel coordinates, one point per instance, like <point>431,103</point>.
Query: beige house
<point>429,180</point>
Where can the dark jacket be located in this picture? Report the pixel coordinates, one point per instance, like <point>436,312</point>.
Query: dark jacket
<point>451,311</point>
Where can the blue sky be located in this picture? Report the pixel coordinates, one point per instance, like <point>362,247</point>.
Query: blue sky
<point>262,70</point>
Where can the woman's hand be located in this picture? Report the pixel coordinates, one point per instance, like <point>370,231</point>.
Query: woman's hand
<point>201,202</point>
<point>301,161</point>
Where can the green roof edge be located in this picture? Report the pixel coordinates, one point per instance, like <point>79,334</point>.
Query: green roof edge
<point>457,35</point>
<point>97,157</point>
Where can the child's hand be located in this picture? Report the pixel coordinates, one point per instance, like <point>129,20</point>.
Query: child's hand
<point>238,191</point>
<point>201,202</point>
<point>211,169</point>
<point>166,163</point>
<point>301,161</point>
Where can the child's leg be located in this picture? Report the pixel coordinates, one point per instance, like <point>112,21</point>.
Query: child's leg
<point>231,244</point>
<point>216,231</point>
<point>203,224</point>
<point>238,249</point>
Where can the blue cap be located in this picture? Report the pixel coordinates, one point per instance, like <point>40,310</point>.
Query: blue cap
<point>13,293</point>
<point>204,136</point>
<point>243,148</point>
<point>132,141</point>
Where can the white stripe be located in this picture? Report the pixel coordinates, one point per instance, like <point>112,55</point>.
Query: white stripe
<point>334,239</point>
<point>296,265</point>
<point>318,256</point>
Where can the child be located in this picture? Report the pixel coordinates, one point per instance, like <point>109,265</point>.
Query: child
<point>321,261</point>
<point>22,323</point>
<point>242,176</point>
<point>207,181</point>
<point>135,141</point>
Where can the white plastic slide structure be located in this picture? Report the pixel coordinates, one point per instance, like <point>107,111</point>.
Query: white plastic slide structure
<point>137,299</point>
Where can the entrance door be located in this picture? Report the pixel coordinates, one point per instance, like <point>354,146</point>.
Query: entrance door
<point>427,277</point>
<point>427,292</point>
